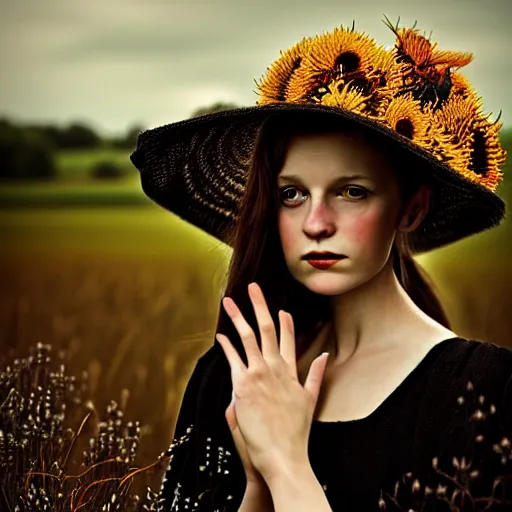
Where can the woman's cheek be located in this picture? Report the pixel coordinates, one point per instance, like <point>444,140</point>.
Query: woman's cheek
<point>364,230</point>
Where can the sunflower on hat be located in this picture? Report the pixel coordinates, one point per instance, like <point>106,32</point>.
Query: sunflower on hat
<point>410,88</point>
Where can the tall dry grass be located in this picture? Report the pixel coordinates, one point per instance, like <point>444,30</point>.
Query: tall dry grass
<point>136,326</point>
<point>57,452</point>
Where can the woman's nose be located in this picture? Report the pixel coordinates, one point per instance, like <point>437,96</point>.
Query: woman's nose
<point>319,221</point>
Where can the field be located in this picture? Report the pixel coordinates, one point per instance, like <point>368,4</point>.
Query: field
<point>120,292</point>
<point>132,294</point>
<point>75,165</point>
<point>75,187</point>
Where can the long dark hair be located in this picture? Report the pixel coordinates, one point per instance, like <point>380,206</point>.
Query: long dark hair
<point>257,252</point>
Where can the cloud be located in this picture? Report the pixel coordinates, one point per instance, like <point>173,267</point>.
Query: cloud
<point>118,62</point>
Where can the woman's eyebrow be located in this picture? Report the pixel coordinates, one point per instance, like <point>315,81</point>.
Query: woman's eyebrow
<point>293,177</point>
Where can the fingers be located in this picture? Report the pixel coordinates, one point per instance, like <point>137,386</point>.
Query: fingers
<point>245,331</point>
<point>315,377</point>
<point>287,344</point>
<point>234,359</point>
<point>269,344</point>
<point>270,347</point>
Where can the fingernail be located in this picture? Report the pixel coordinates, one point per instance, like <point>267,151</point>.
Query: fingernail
<point>228,306</point>
<point>255,286</point>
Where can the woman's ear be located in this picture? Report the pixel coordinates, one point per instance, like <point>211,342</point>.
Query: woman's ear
<point>416,210</point>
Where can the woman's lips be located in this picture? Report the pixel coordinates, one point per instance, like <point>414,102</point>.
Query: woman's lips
<point>323,263</point>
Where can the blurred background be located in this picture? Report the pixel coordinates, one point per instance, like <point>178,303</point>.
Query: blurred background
<point>130,292</point>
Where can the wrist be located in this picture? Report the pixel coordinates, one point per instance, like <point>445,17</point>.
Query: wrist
<point>257,486</point>
<point>257,497</point>
<point>288,471</point>
<point>282,467</point>
<point>297,488</point>
<point>255,480</point>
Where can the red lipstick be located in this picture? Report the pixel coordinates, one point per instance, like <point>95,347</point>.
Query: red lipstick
<point>322,264</point>
<point>322,260</point>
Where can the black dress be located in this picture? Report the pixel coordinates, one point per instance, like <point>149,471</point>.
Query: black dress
<point>439,442</point>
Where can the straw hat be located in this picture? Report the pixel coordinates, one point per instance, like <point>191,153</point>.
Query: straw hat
<point>411,93</point>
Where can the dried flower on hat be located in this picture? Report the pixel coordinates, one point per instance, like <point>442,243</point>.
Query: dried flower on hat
<point>422,68</point>
<point>410,88</point>
<point>275,86</point>
<point>342,95</point>
<point>471,142</point>
<point>344,55</point>
<point>405,115</point>
<point>462,87</point>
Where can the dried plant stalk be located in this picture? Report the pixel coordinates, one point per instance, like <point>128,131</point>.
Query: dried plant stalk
<point>56,454</point>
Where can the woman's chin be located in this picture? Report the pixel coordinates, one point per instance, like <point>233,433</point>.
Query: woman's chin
<point>328,283</point>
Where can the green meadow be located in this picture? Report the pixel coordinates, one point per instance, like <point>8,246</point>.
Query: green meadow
<point>75,164</point>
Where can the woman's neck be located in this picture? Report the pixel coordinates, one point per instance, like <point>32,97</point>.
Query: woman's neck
<point>376,314</point>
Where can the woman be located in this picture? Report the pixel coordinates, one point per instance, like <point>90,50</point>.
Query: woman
<point>371,155</point>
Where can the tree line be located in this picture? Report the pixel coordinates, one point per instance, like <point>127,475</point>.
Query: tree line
<point>28,151</point>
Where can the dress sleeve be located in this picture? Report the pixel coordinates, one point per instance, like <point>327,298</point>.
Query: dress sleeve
<point>471,466</point>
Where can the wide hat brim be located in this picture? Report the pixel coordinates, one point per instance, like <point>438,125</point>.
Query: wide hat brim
<point>197,169</point>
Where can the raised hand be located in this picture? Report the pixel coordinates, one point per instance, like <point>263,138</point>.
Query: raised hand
<point>273,410</point>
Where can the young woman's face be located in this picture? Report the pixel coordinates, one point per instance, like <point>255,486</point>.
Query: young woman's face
<point>337,195</point>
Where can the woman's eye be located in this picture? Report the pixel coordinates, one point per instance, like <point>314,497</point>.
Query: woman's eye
<point>290,194</point>
<point>360,192</point>
<point>294,195</point>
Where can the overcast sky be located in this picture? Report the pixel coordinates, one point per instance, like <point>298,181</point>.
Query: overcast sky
<point>117,63</point>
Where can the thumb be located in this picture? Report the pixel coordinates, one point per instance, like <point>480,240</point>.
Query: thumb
<point>315,376</point>
<point>238,439</point>
<point>231,415</point>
